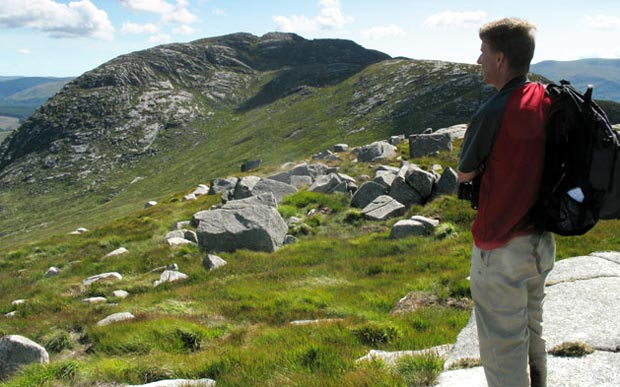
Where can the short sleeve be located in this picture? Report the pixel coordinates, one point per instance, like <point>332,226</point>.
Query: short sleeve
<point>480,137</point>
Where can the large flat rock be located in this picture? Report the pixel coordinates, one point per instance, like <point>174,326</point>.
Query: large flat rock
<point>581,306</point>
<point>613,256</point>
<point>586,311</point>
<point>582,268</point>
<point>601,369</point>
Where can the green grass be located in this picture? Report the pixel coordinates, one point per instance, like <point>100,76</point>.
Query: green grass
<point>233,324</point>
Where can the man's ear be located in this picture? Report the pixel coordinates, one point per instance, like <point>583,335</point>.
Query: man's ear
<point>500,59</point>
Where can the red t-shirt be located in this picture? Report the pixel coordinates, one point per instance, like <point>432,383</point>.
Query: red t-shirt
<point>513,168</point>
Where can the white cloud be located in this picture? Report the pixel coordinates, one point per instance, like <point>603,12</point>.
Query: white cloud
<point>380,32</point>
<point>219,12</point>
<point>153,6</point>
<point>455,19</point>
<point>134,28</point>
<point>179,15</point>
<point>602,22</point>
<point>75,19</point>
<point>330,18</point>
<point>160,38</point>
<point>24,51</point>
<point>169,12</point>
<point>183,30</point>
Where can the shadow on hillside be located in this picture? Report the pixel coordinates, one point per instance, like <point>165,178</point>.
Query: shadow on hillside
<point>293,80</point>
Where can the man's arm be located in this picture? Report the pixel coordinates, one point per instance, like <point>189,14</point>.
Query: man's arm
<point>465,177</point>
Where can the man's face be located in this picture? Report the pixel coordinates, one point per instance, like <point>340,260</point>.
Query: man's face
<point>488,60</point>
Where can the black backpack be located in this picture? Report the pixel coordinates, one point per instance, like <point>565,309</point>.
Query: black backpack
<point>581,177</point>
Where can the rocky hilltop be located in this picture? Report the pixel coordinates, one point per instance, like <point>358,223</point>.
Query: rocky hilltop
<point>116,110</point>
<point>229,98</point>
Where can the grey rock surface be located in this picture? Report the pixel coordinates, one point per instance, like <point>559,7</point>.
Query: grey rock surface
<point>391,358</point>
<point>581,305</point>
<point>170,276</point>
<point>366,193</point>
<point>582,268</point>
<point>455,131</point>
<point>383,207</point>
<point>178,383</point>
<point>428,144</point>
<point>277,188</point>
<point>420,180</point>
<point>299,181</point>
<point>404,193</point>
<point>376,151</point>
<point>448,183</point>
<point>243,188</point>
<point>385,178</point>
<point>325,183</point>
<point>212,262</point>
<point>259,228</point>
<point>600,369</point>
<point>17,351</point>
<point>407,227</point>
<point>220,185</point>
<point>113,276</point>
<point>429,223</point>
<point>266,199</point>
<point>116,317</point>
<point>613,256</point>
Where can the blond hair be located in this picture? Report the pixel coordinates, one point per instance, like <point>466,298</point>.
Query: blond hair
<point>514,38</point>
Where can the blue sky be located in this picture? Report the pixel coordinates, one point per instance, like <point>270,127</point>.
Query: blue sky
<point>69,37</point>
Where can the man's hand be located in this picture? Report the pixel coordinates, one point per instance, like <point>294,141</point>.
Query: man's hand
<point>465,177</point>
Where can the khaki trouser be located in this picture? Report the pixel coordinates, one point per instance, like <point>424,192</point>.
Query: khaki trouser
<point>508,287</point>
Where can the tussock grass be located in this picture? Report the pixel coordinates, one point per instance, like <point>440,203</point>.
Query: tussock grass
<point>233,324</point>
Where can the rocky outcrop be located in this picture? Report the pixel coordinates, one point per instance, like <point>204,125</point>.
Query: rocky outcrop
<point>429,144</point>
<point>116,113</point>
<point>17,351</point>
<point>383,207</point>
<point>376,151</point>
<point>241,226</point>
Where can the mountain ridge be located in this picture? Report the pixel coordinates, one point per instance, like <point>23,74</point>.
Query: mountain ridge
<point>604,74</point>
<point>174,115</point>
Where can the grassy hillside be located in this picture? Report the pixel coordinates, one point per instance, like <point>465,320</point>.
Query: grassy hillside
<point>295,126</point>
<point>233,324</point>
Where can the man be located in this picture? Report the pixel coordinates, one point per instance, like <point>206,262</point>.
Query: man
<point>504,147</point>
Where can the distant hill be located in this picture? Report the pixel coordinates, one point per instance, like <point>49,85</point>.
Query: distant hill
<point>604,74</point>
<point>21,96</point>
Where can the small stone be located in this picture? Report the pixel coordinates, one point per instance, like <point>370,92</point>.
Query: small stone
<point>170,276</point>
<point>95,300</point>
<point>120,294</point>
<point>116,317</point>
<point>119,251</point>
<point>212,262</point>
<point>102,277</point>
<point>52,271</point>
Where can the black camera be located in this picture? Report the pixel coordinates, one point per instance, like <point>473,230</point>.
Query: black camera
<point>470,191</point>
